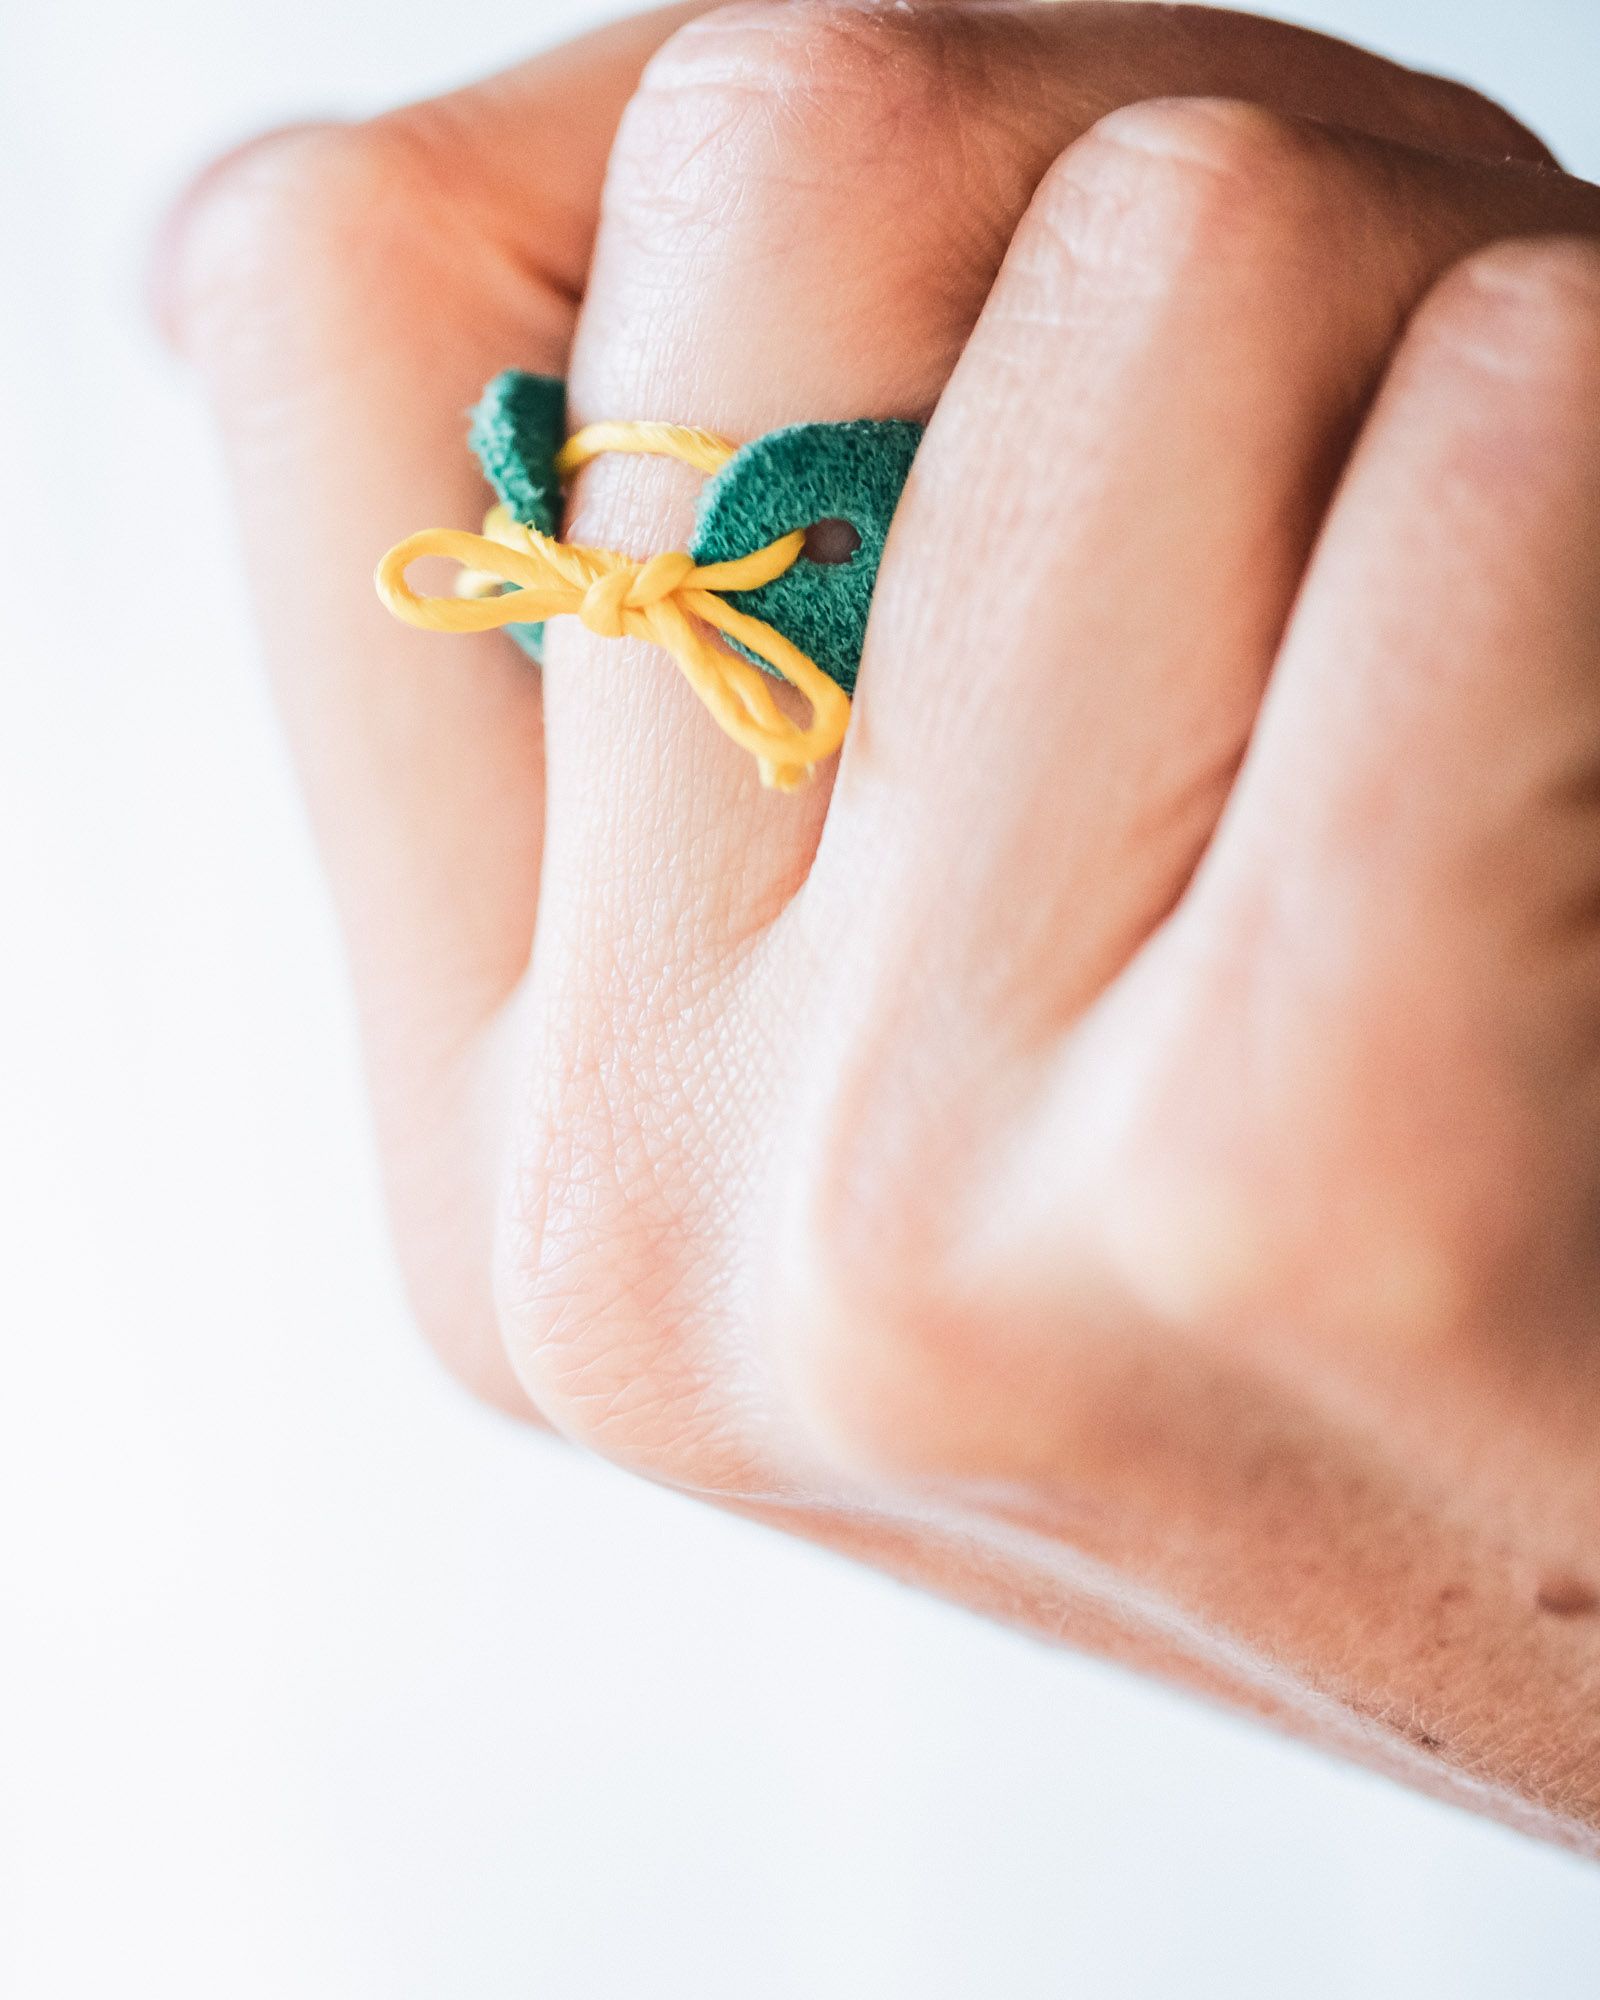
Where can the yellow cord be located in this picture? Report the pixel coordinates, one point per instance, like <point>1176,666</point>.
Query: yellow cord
<point>513,575</point>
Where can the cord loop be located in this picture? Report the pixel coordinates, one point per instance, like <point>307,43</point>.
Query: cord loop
<point>512,575</point>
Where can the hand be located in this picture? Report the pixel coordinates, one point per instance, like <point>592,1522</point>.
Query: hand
<point>1122,1157</point>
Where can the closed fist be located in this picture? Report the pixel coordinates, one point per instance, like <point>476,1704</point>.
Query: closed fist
<point>1120,1148</point>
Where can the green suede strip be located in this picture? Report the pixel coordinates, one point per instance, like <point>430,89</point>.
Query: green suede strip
<point>792,479</point>
<point>517,429</point>
<point>788,479</point>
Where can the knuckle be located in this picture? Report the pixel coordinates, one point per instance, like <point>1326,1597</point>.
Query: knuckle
<point>885,1338</point>
<point>285,239</point>
<point>888,1375</point>
<point>591,1350</point>
<point>1157,190</point>
<point>597,1360</point>
<point>1273,1185</point>
<point>914,1367</point>
<point>1526,313</point>
<point>790,102</point>
<point>1276,1237</point>
<point>604,1277</point>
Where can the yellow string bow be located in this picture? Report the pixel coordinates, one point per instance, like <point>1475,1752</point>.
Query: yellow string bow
<point>513,575</point>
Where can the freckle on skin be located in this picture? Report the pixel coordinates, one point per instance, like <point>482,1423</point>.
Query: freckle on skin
<point>1567,1597</point>
<point>1446,1628</point>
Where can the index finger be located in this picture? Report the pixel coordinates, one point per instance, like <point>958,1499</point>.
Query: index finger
<point>345,291</point>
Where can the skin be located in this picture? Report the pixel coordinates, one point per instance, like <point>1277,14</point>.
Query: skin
<point>1119,1150</point>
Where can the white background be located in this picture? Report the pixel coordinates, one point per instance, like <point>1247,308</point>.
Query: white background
<point>320,1681</point>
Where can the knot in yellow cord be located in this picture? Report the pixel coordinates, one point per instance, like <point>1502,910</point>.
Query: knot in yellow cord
<point>513,575</point>
<point>632,588</point>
